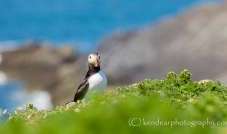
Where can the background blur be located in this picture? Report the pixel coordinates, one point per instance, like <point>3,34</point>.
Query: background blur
<point>44,44</point>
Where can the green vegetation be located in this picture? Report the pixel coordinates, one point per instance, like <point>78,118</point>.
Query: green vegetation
<point>174,105</point>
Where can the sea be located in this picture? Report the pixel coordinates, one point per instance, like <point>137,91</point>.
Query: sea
<point>80,23</point>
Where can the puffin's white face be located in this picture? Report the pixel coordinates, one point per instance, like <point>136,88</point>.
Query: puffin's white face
<point>94,59</point>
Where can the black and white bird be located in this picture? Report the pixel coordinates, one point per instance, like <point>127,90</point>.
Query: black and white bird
<point>94,80</point>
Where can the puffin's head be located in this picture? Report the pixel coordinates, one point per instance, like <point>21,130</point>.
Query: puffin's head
<point>94,60</point>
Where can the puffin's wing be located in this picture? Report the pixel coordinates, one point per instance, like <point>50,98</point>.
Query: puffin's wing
<point>81,90</point>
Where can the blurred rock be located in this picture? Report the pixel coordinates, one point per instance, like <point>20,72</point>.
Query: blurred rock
<point>43,67</point>
<point>196,40</point>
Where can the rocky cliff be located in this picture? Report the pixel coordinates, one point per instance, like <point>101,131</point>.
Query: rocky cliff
<point>196,39</point>
<point>40,66</point>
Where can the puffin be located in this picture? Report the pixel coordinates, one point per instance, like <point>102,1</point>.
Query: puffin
<point>94,80</point>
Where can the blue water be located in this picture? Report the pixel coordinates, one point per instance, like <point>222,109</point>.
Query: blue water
<point>8,95</point>
<point>8,99</point>
<point>80,22</point>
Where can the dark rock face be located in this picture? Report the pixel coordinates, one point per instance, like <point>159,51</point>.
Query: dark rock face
<point>195,40</point>
<point>43,67</point>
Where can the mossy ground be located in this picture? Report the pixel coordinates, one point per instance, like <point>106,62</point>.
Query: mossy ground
<point>173,105</point>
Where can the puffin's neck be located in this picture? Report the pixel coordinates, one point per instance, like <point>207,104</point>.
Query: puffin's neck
<point>93,69</point>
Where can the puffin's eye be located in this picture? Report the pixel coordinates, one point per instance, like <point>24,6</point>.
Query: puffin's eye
<point>90,57</point>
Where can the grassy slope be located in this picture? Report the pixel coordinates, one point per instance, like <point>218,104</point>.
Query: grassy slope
<point>133,109</point>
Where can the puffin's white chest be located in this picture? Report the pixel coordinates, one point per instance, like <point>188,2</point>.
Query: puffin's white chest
<point>97,81</point>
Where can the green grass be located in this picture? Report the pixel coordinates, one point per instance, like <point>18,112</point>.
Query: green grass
<point>174,105</point>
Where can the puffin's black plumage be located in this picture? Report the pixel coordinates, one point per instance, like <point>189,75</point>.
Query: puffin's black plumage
<point>83,87</point>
